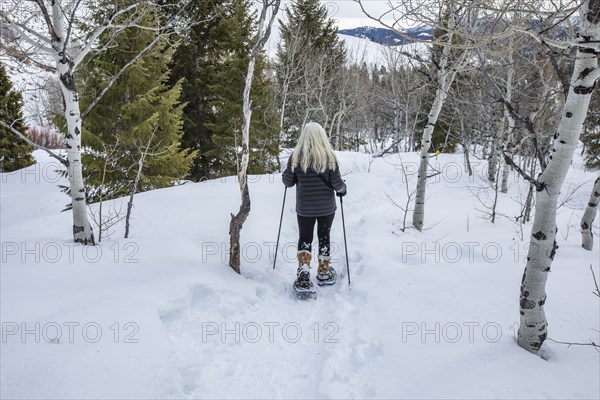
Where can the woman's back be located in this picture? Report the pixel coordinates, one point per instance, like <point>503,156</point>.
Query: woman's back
<point>315,191</point>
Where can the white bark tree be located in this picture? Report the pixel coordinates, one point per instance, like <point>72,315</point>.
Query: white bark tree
<point>289,73</point>
<point>400,98</point>
<point>533,327</point>
<point>237,220</point>
<point>56,43</point>
<point>446,73</point>
<point>442,15</point>
<point>587,238</point>
<point>507,115</point>
<point>48,31</point>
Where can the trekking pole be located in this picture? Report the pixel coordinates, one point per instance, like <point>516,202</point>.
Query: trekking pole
<point>345,242</point>
<point>279,232</point>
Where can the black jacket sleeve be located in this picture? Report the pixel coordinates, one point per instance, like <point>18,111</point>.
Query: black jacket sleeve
<point>289,177</point>
<point>336,181</point>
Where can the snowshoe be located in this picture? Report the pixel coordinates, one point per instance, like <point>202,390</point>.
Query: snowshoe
<point>326,274</point>
<point>328,278</point>
<point>303,287</point>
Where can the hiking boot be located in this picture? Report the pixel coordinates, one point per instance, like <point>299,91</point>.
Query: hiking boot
<point>302,284</point>
<point>326,275</point>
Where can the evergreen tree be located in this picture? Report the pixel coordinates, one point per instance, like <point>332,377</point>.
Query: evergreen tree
<point>310,57</point>
<point>141,113</point>
<point>591,133</point>
<point>213,58</point>
<point>14,152</point>
<point>444,135</point>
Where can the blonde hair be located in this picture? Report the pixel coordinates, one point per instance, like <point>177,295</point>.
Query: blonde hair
<point>313,150</point>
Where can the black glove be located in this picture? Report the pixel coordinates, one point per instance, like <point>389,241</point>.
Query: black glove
<point>341,194</point>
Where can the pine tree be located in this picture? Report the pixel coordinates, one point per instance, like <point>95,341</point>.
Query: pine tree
<point>238,31</point>
<point>14,152</point>
<point>309,21</point>
<point>140,113</point>
<point>592,157</point>
<point>310,57</point>
<point>213,59</point>
<point>591,134</point>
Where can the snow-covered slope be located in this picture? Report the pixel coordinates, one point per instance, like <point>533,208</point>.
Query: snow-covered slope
<point>428,315</point>
<point>359,49</point>
<point>364,50</point>
<point>387,36</point>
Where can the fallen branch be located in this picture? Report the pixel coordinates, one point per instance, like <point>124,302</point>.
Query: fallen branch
<point>569,344</point>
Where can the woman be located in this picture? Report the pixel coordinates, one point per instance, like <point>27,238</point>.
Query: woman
<point>313,167</point>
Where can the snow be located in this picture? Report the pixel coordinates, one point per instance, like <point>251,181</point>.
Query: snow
<point>364,50</point>
<point>359,49</point>
<point>429,314</point>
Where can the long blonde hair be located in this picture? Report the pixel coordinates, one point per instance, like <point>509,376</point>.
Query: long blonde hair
<point>313,150</point>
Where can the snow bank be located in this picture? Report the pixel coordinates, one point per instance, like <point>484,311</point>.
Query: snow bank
<point>429,315</point>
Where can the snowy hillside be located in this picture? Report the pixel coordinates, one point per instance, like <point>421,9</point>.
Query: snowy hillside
<point>364,50</point>
<point>387,36</point>
<point>161,315</point>
<point>360,49</point>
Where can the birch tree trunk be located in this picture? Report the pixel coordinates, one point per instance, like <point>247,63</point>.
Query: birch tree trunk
<point>445,77</point>
<point>533,328</point>
<point>59,37</point>
<point>587,238</point>
<point>508,115</point>
<point>237,220</point>
<point>82,230</point>
<point>494,156</point>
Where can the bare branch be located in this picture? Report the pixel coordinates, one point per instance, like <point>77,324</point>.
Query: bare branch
<point>266,4</point>
<point>564,80</point>
<point>103,27</point>
<point>591,343</point>
<point>37,146</point>
<point>70,26</point>
<point>113,79</point>
<point>54,37</point>
<point>509,107</point>
<point>597,292</point>
<point>23,31</point>
<point>538,185</point>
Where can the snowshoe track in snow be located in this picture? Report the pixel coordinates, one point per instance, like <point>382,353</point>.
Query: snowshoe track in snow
<point>315,349</point>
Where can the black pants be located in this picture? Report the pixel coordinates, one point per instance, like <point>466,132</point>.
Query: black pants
<point>306,226</point>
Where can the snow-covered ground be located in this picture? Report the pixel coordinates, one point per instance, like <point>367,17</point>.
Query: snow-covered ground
<point>161,315</point>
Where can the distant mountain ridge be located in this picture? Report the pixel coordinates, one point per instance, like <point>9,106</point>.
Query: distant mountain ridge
<point>386,36</point>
